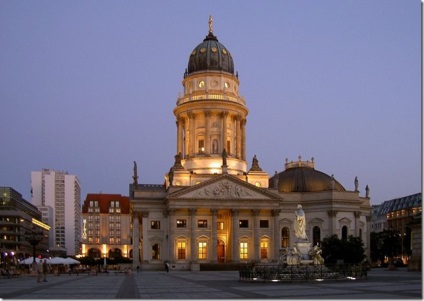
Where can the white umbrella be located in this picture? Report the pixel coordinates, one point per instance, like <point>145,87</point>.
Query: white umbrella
<point>56,260</point>
<point>70,260</point>
<point>29,260</point>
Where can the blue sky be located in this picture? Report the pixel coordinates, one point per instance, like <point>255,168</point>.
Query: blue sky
<point>89,87</point>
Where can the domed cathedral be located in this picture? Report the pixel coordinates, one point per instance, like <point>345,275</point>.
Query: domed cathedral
<point>213,207</point>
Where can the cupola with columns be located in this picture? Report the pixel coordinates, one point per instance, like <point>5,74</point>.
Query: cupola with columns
<point>210,117</point>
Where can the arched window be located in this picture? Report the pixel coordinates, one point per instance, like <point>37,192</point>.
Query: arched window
<point>344,232</point>
<point>285,237</point>
<point>316,235</point>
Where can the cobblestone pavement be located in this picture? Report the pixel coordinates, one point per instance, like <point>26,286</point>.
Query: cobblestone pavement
<point>380,284</point>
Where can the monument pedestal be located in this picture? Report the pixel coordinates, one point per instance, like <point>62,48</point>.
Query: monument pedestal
<point>304,248</point>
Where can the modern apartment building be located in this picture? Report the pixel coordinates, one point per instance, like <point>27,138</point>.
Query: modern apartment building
<point>62,192</point>
<point>18,218</point>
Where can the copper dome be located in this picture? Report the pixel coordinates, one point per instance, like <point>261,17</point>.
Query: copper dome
<point>304,178</point>
<point>210,55</point>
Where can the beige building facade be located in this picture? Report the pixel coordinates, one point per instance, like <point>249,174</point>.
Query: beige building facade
<point>106,226</point>
<point>215,206</point>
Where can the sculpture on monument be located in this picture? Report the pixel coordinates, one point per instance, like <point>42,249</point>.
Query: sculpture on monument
<point>315,253</point>
<point>300,223</point>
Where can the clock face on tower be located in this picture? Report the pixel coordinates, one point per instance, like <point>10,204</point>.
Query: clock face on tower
<point>227,85</point>
<point>201,84</point>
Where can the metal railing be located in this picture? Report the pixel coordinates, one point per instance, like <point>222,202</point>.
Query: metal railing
<point>284,272</point>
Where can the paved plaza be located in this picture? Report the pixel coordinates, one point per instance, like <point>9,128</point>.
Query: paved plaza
<point>380,284</point>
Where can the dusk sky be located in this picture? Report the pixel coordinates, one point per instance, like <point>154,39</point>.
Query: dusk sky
<point>88,87</point>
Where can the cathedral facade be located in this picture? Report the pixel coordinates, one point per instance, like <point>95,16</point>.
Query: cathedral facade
<point>214,207</point>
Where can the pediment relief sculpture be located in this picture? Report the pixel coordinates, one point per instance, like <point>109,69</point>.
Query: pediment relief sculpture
<point>225,189</point>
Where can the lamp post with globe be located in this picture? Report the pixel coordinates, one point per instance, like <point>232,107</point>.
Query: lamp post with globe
<point>33,237</point>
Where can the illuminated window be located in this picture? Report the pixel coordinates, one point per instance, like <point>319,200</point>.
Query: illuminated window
<point>202,250</point>
<point>201,146</point>
<point>111,240</point>
<point>285,237</point>
<point>181,223</point>
<point>202,223</point>
<point>243,250</point>
<point>264,250</point>
<point>155,251</point>
<point>155,225</point>
<point>220,225</point>
<point>181,247</point>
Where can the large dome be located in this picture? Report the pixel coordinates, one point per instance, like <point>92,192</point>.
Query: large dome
<point>302,177</point>
<point>210,55</point>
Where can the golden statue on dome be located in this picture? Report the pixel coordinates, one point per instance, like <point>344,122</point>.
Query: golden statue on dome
<point>210,25</point>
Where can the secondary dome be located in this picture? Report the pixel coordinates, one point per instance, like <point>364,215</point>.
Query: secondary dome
<point>210,55</point>
<point>301,176</point>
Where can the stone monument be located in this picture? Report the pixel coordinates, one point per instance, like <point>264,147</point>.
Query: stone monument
<point>302,244</point>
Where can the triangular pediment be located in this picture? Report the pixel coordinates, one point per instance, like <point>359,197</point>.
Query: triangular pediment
<point>224,187</point>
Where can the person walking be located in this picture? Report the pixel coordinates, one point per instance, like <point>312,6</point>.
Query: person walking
<point>45,268</point>
<point>39,271</point>
<point>167,267</point>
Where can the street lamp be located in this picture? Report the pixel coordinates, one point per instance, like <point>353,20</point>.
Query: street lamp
<point>33,237</point>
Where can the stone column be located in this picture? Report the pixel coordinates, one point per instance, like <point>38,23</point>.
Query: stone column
<point>192,141</point>
<point>256,254</point>
<point>171,235</point>
<point>234,236</point>
<point>276,233</point>
<point>357,216</point>
<point>146,255</point>
<point>214,236</point>
<point>238,136</point>
<point>332,215</point>
<point>193,235</point>
<point>207,133</point>
<point>224,132</point>
<point>180,138</point>
<point>243,139</point>
<point>136,240</point>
